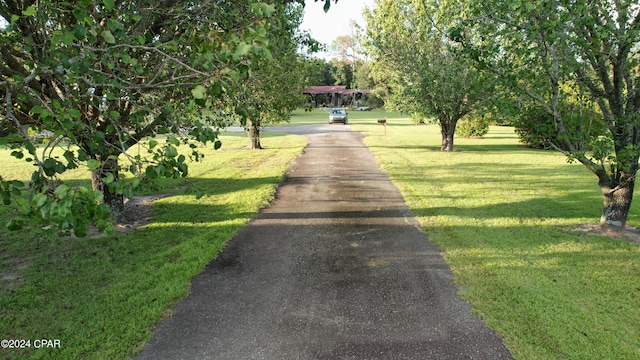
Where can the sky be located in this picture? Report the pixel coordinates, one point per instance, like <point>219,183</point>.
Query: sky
<point>325,27</point>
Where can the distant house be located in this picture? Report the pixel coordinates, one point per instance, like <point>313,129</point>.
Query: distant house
<point>335,96</point>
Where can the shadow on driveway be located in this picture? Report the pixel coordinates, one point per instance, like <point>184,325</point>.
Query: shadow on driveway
<point>336,267</point>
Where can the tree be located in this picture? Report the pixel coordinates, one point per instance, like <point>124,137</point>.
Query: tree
<point>362,78</point>
<point>319,72</point>
<point>103,76</point>
<point>343,74</point>
<point>272,91</point>
<point>544,50</point>
<point>345,49</point>
<point>414,57</point>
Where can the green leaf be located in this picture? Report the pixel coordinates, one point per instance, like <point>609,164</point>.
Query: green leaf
<point>6,197</point>
<point>268,10</point>
<point>108,179</point>
<point>60,168</point>
<point>68,38</point>
<point>93,165</point>
<point>61,191</point>
<point>79,13</point>
<point>17,154</point>
<point>108,37</point>
<point>40,200</point>
<point>173,140</point>
<point>49,166</point>
<point>75,113</point>
<point>198,92</point>
<point>171,151</point>
<point>71,159</point>
<point>30,11</point>
<point>242,49</point>
<point>216,89</point>
<point>150,171</point>
<point>37,109</point>
<point>109,4</point>
<point>16,187</point>
<point>81,230</point>
<point>115,25</point>
<point>82,155</point>
<point>15,224</point>
<point>152,143</point>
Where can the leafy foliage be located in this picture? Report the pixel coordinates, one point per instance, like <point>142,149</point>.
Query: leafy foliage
<point>537,129</point>
<point>414,58</point>
<point>272,90</point>
<point>319,72</point>
<point>343,74</point>
<point>473,125</point>
<point>544,50</point>
<point>103,76</point>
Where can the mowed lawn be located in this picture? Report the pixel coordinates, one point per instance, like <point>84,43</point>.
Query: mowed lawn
<point>508,219</point>
<point>100,297</point>
<point>505,217</point>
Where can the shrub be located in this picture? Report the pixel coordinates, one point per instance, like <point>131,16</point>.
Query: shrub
<point>473,126</point>
<point>534,128</point>
<point>418,118</point>
<point>537,129</point>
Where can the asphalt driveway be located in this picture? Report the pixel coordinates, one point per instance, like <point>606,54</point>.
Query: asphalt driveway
<point>335,268</point>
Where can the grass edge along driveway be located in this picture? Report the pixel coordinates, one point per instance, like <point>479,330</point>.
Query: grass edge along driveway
<point>101,297</point>
<point>503,214</point>
<point>507,218</point>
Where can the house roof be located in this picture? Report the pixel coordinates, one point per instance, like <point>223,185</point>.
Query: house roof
<point>329,89</point>
<point>324,89</point>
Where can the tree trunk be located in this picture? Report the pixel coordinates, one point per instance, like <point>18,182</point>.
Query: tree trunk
<point>616,205</point>
<point>448,129</point>
<point>254,135</point>
<point>113,200</point>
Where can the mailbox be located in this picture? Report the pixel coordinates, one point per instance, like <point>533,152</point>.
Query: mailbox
<point>383,122</point>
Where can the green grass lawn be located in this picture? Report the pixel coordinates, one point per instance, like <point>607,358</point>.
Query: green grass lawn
<point>316,116</point>
<point>504,215</point>
<point>102,296</point>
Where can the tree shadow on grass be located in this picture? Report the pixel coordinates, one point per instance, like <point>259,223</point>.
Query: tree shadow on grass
<point>197,204</point>
<point>566,207</point>
<point>521,190</point>
<point>458,148</point>
<point>500,176</point>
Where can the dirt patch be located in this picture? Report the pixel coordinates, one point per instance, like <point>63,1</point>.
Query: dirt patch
<point>11,274</point>
<point>138,212</point>
<point>630,233</point>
